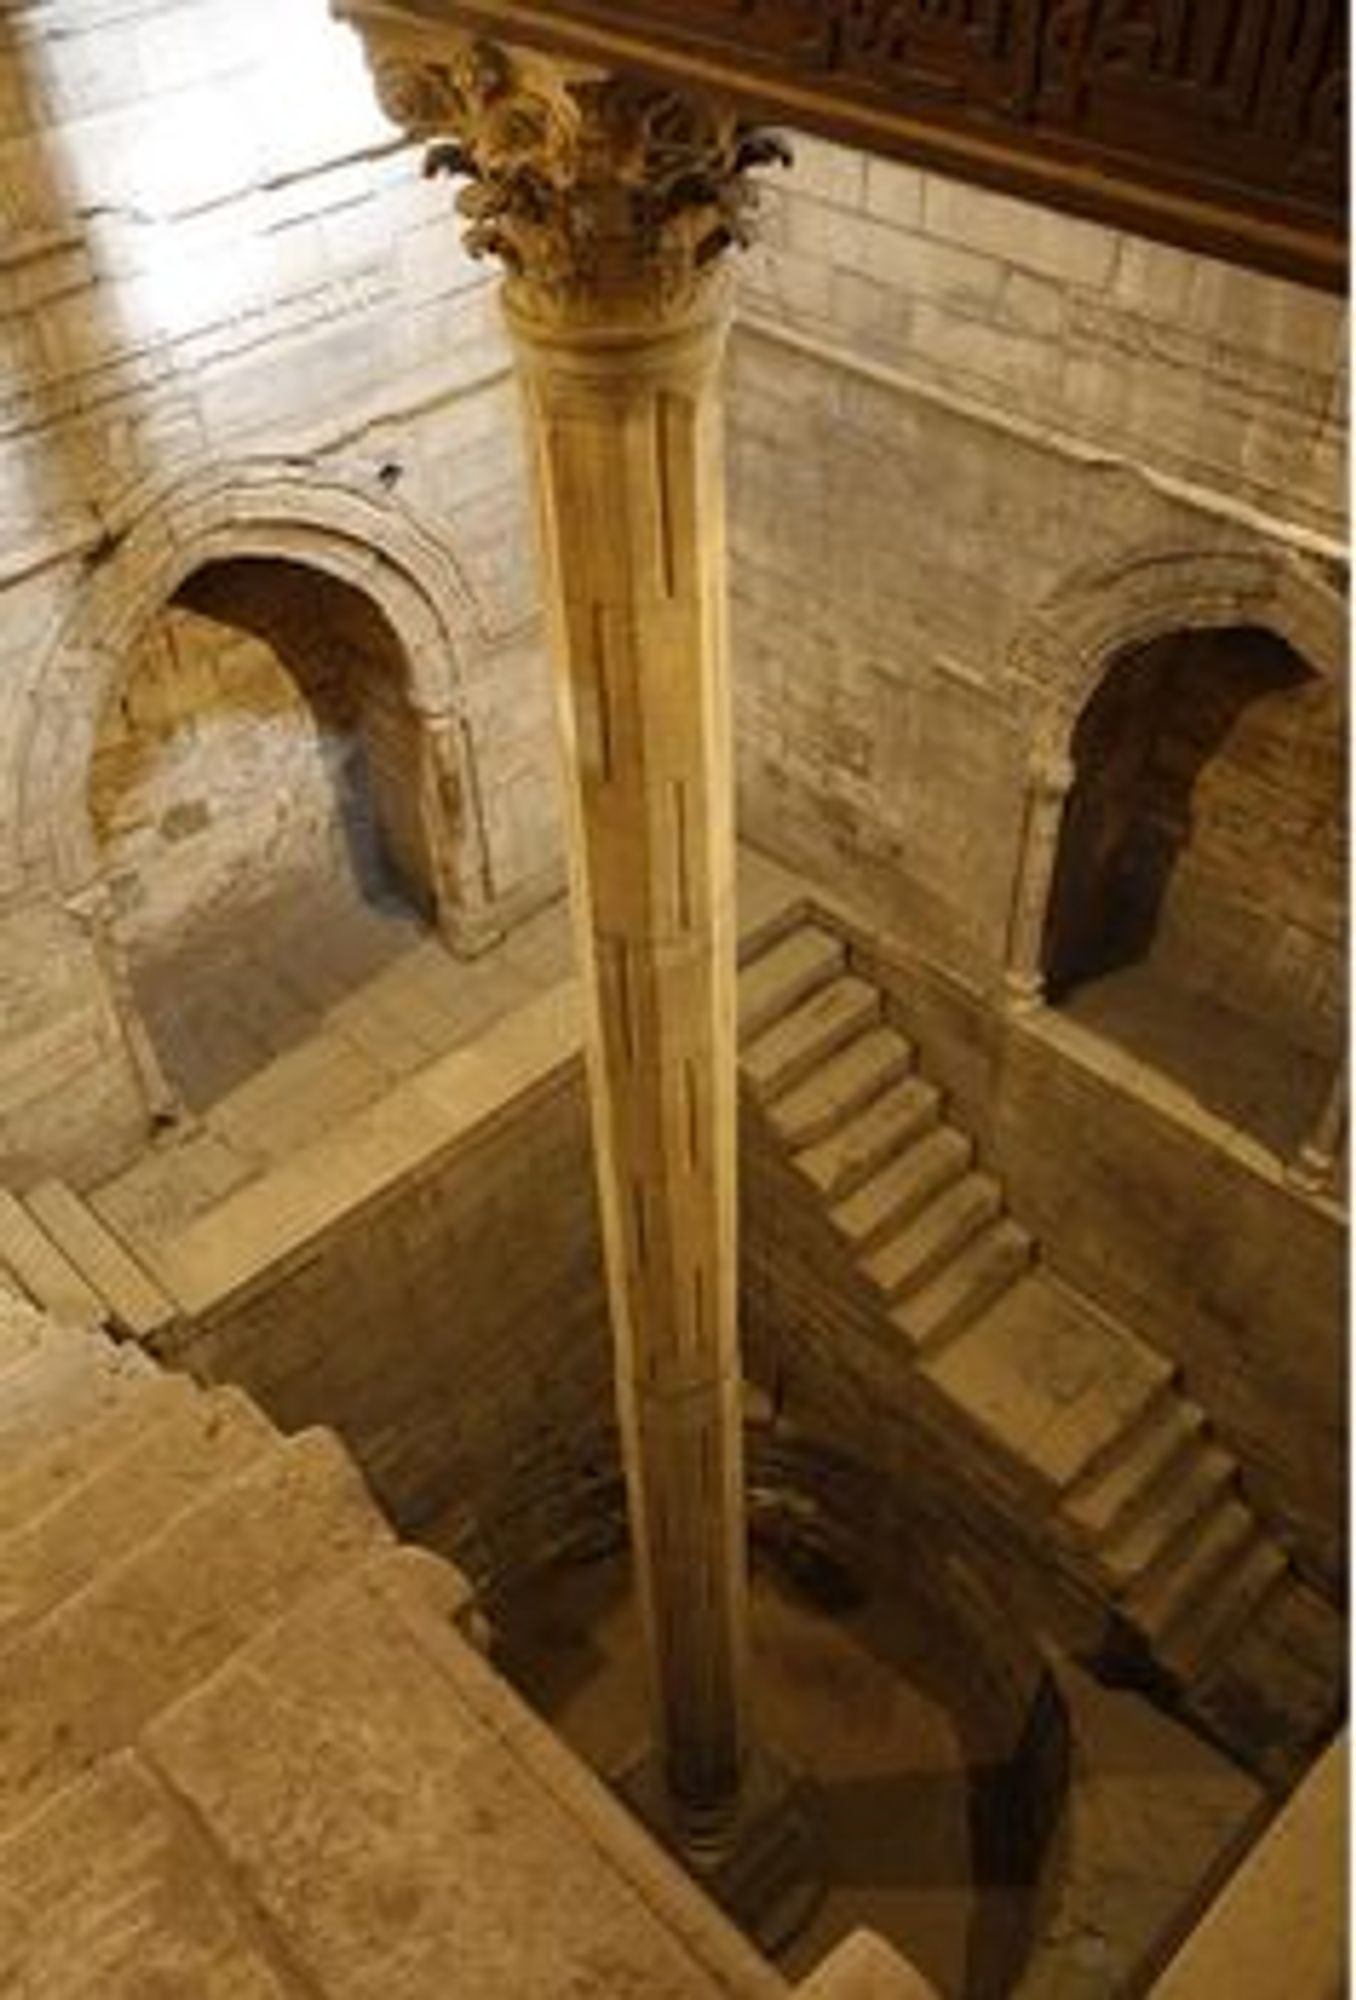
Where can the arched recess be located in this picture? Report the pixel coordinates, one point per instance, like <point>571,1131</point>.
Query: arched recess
<point>1101,665</point>
<point>265,510</point>
<point>268,511</point>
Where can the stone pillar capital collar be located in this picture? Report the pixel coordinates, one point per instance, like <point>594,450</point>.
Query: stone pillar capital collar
<point>607,198</point>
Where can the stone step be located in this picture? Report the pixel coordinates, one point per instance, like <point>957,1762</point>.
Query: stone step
<point>133,1301</point>
<point>1279,1690</point>
<point>1207,1631</point>
<point>406,1825</point>
<point>786,1053</point>
<point>928,1242</point>
<point>37,1479</point>
<point>92,1523</point>
<point>67,1380</point>
<point>849,1083</point>
<point>109,1896</point>
<point>42,1270</point>
<point>1188,1490</point>
<point>1100,1505</point>
<point>1173,1588</point>
<point>86,1679</point>
<point>991,1262</point>
<point>788,972</point>
<point>22,1327</point>
<point>1049,1381</point>
<point>863,1142</point>
<point>902,1188</point>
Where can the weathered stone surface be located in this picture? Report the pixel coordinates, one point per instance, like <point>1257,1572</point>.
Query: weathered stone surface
<point>171,1463</point>
<point>1279,1924</point>
<point>135,1304</point>
<point>68,1379</point>
<point>87,1678</point>
<point>113,1892</point>
<point>864,1967</point>
<point>389,1827</point>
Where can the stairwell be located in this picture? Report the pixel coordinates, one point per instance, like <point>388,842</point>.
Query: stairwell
<point>1080,1434</point>
<point>1081,1448</point>
<point>248,1747</point>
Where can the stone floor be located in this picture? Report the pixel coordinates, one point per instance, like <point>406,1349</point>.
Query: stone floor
<point>1235,1068</point>
<point>842,1696</point>
<point>278,1030</point>
<point>275,1036</point>
<point>363,971</point>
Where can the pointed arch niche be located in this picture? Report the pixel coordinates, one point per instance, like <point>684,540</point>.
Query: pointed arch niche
<point>1182,890</point>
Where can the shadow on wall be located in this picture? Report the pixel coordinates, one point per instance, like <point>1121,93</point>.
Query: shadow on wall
<point>256,795</point>
<point>931,1738</point>
<point>1196,916</point>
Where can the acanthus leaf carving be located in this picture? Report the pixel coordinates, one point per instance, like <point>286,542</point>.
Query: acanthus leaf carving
<point>585,186</point>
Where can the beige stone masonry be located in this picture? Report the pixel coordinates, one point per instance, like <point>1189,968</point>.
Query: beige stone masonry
<point>30,1258</point>
<point>132,1299</point>
<point>1280,1924</point>
<point>247,1751</point>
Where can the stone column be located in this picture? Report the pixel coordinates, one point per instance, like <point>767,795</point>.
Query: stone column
<point>611,203</point>
<point>1314,1167</point>
<point>453,836</point>
<point>165,1109</point>
<point>1050,777</point>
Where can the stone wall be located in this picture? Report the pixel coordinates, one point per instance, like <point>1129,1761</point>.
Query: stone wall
<point>215,256</point>
<point>451,1327</point>
<point>977,452</point>
<point>1183,1228</point>
<point>218,779</point>
<point>1191,1238</point>
<point>946,407</point>
<point>1255,909</point>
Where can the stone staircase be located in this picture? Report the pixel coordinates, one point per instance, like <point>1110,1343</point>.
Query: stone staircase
<point>1136,1499</point>
<point>59,1255</point>
<point>248,1748</point>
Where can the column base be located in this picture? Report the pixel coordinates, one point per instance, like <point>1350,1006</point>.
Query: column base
<point>760,1859</point>
<point>1023,993</point>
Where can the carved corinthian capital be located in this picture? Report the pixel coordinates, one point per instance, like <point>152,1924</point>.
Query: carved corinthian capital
<point>602,195</point>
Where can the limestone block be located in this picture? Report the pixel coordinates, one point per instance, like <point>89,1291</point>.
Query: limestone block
<point>1281,1921</point>
<point>864,1967</point>
<point>170,1464</point>
<point>171,56</point>
<point>389,1832</point>
<point>47,1472</point>
<point>68,1378</point>
<point>112,1893</point>
<point>68,1098</point>
<point>835,174</point>
<point>1019,232</point>
<point>90,1675</point>
<point>894,193</point>
<point>30,1257</point>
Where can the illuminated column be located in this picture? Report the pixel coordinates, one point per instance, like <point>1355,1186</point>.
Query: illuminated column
<point>1049,780</point>
<point>611,203</point>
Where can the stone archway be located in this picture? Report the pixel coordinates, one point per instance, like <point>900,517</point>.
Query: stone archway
<point>265,510</point>
<point>1063,653</point>
<point>1179,658</point>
